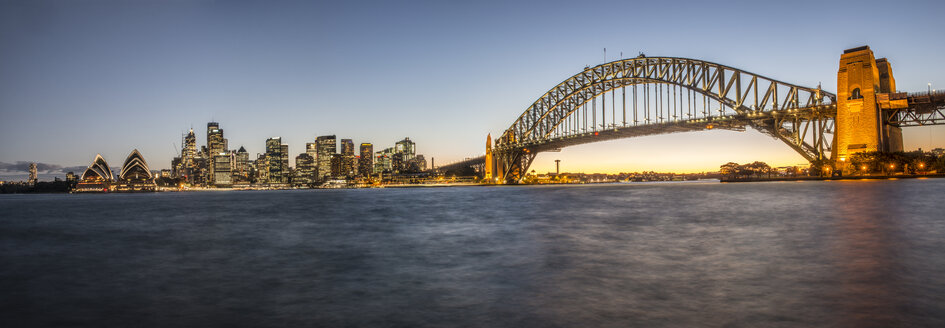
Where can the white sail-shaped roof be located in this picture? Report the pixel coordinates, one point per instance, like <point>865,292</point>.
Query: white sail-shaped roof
<point>98,169</point>
<point>135,168</point>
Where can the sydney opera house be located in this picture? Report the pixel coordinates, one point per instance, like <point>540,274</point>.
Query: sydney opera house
<point>133,177</point>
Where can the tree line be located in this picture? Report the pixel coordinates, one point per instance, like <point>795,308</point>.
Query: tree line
<point>868,163</point>
<point>859,164</point>
<point>755,170</point>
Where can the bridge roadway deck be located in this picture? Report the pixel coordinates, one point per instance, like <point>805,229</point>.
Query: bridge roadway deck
<point>460,164</point>
<point>923,108</point>
<point>621,132</point>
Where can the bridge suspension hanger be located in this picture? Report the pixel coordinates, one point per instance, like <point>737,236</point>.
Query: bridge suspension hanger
<point>623,93</point>
<point>674,103</point>
<point>613,108</point>
<point>635,104</point>
<point>594,117</point>
<point>659,102</point>
<point>646,105</point>
<point>603,108</point>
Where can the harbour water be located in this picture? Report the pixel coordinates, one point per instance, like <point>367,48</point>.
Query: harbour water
<point>778,254</point>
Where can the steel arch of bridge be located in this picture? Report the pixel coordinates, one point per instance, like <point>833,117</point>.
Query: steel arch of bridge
<point>802,117</point>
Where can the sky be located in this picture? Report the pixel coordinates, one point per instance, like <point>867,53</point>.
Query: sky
<point>83,77</point>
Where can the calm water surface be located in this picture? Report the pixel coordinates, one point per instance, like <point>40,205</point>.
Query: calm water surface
<point>785,254</point>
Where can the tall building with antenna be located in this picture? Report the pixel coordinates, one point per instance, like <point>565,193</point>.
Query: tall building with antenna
<point>188,149</point>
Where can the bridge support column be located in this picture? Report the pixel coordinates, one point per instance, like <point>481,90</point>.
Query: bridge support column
<point>512,165</point>
<point>861,124</point>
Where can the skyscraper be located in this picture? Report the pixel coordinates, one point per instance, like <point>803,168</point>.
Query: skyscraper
<point>311,148</point>
<point>326,147</point>
<point>215,146</point>
<point>337,169</point>
<point>188,153</point>
<point>242,167</point>
<point>354,173</point>
<point>189,147</point>
<point>304,169</point>
<point>383,158</point>
<point>177,170</point>
<point>366,162</point>
<point>198,174</point>
<point>262,168</point>
<point>33,178</point>
<point>278,157</point>
<point>284,163</point>
<point>215,143</point>
<point>347,158</point>
<point>406,147</point>
<point>222,169</point>
<point>397,163</point>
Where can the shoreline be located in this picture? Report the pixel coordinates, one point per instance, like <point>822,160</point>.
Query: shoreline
<point>447,185</point>
<point>852,177</point>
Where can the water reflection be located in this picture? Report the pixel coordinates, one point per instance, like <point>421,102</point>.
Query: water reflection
<point>866,255</point>
<point>795,254</point>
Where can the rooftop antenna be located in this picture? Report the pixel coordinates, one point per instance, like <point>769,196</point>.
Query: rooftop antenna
<point>605,55</point>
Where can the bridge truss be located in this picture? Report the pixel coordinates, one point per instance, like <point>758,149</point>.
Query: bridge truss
<point>656,95</point>
<point>923,108</point>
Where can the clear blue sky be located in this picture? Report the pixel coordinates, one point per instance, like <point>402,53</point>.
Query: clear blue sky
<point>84,77</point>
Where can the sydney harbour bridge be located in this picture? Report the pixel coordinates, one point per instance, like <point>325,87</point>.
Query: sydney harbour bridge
<point>657,95</point>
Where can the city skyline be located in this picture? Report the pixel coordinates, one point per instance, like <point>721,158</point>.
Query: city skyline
<point>298,72</point>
